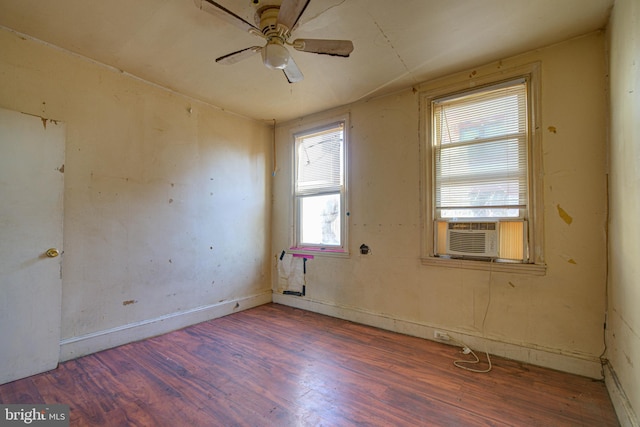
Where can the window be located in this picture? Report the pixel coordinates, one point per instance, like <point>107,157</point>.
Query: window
<point>480,153</point>
<point>320,188</point>
<point>481,165</point>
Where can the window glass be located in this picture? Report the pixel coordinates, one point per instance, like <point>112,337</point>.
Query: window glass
<point>320,188</point>
<point>480,153</point>
<point>320,218</point>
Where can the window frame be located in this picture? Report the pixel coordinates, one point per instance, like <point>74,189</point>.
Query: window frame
<point>460,85</point>
<point>331,250</point>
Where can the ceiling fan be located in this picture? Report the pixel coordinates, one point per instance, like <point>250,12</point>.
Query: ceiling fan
<point>275,24</point>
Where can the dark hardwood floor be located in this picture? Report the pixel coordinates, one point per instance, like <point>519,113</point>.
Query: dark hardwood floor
<point>279,366</point>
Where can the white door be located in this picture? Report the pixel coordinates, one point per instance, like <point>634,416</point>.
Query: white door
<point>31,195</point>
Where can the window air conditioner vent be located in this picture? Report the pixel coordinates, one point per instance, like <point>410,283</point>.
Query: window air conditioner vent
<point>472,239</point>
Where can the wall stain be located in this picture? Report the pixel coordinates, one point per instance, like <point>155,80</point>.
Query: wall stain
<point>61,169</point>
<point>565,216</point>
<point>552,129</point>
<point>170,200</point>
<point>512,285</point>
<point>129,302</point>
<point>572,261</point>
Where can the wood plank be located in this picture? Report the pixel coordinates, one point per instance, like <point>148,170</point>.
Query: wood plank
<point>280,366</point>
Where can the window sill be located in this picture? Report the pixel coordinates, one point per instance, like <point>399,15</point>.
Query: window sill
<point>311,252</point>
<point>503,267</point>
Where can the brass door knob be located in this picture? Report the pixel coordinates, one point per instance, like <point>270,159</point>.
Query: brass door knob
<point>52,252</point>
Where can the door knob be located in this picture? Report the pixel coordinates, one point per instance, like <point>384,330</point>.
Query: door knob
<point>52,252</point>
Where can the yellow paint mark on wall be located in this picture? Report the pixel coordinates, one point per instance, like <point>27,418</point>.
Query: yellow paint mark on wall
<point>572,261</point>
<point>564,215</point>
<point>552,129</point>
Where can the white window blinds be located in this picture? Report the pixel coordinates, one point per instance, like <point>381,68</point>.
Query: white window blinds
<point>480,152</point>
<point>320,161</point>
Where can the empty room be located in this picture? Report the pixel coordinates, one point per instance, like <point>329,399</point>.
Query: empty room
<point>320,212</point>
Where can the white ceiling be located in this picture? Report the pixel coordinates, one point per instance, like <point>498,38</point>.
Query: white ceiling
<point>397,44</point>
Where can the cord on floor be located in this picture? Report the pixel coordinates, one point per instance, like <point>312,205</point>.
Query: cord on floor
<point>461,363</point>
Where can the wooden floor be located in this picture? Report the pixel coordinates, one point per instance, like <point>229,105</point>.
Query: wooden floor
<point>279,366</point>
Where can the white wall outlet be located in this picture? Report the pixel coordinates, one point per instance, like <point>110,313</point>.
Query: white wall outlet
<point>442,336</point>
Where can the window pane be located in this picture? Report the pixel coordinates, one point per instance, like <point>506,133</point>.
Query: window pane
<point>483,174</point>
<point>320,220</point>
<point>485,115</point>
<point>480,148</point>
<point>320,160</point>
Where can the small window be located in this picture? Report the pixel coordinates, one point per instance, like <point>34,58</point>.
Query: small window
<point>480,173</point>
<point>320,188</point>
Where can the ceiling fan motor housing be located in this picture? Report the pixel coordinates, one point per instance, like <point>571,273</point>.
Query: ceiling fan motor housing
<point>267,21</point>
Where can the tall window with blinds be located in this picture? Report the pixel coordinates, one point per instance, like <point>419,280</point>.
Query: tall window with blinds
<point>479,146</point>
<point>320,187</point>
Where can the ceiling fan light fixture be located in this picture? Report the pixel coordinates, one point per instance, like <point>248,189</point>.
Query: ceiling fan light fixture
<point>275,55</point>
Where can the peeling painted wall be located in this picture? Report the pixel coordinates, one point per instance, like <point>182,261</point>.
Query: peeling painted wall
<point>559,314</point>
<point>623,336</point>
<point>166,199</point>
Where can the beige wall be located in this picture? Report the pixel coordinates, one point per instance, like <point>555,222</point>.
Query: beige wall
<point>554,320</point>
<point>166,199</point>
<point>623,336</point>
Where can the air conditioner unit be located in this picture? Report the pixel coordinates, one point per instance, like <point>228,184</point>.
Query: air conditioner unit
<point>472,239</point>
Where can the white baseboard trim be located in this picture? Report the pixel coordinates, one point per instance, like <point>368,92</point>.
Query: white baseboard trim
<point>624,410</point>
<point>82,345</point>
<point>578,364</point>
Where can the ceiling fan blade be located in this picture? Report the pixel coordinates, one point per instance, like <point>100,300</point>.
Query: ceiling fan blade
<point>291,11</point>
<point>234,57</point>
<point>324,47</point>
<point>292,72</point>
<point>224,13</point>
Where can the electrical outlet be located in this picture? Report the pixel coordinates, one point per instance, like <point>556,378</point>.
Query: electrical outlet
<point>442,336</point>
